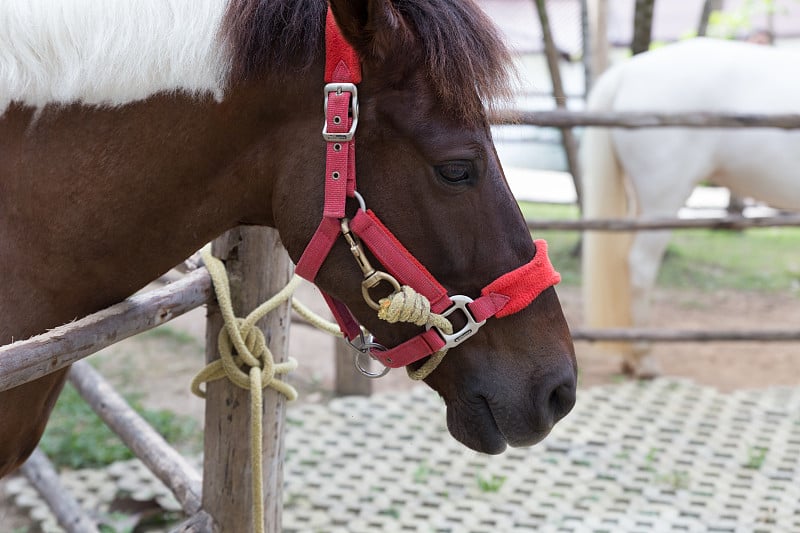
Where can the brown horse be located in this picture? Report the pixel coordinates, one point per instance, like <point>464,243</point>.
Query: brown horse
<point>133,134</point>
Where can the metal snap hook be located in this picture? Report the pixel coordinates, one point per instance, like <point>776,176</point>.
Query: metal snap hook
<point>372,281</point>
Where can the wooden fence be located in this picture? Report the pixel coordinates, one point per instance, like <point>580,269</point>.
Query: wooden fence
<point>216,501</point>
<point>258,267</point>
<point>633,120</point>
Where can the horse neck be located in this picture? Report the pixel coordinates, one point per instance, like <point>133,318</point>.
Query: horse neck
<point>106,200</point>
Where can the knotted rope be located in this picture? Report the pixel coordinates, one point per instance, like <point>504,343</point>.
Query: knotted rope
<point>242,344</point>
<point>408,305</point>
<point>251,350</point>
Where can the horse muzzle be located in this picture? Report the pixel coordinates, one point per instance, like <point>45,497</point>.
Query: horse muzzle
<point>491,416</point>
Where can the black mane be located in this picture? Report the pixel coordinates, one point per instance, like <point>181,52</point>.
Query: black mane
<point>466,60</point>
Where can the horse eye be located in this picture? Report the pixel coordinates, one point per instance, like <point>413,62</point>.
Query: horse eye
<point>454,172</point>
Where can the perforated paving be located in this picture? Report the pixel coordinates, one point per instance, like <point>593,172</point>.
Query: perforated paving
<point>665,455</point>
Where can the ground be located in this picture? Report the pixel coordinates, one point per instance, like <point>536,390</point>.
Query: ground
<point>166,359</point>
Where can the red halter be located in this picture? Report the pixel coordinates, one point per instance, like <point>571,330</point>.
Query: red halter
<point>506,295</point>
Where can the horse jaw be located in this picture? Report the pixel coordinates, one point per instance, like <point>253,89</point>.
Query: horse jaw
<point>510,390</point>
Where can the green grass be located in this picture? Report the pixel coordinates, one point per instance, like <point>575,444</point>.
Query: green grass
<point>762,259</point>
<point>77,438</point>
<point>491,483</point>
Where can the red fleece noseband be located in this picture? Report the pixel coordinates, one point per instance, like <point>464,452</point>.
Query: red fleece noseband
<point>524,284</point>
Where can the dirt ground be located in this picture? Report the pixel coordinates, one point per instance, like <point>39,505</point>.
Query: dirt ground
<point>160,364</point>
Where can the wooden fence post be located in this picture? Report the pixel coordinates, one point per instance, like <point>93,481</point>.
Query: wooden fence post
<point>349,381</point>
<point>258,267</point>
<point>567,137</point>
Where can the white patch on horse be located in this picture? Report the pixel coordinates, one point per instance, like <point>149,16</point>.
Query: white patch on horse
<point>109,52</point>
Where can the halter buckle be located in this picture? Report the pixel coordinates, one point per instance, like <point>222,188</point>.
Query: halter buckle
<point>340,88</point>
<point>460,303</point>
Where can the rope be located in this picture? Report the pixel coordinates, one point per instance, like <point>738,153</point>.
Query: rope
<point>408,305</point>
<point>251,350</point>
<point>241,343</point>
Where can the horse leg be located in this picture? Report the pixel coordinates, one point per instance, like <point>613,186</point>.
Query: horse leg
<point>24,414</point>
<point>662,167</point>
<point>644,260</point>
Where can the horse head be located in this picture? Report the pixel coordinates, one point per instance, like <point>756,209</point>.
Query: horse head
<point>427,167</point>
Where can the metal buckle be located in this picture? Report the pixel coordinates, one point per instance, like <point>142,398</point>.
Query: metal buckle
<point>340,88</point>
<point>363,347</point>
<point>472,326</point>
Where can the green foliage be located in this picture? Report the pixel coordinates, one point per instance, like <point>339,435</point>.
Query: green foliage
<point>77,438</point>
<point>756,455</point>
<point>422,473</point>
<point>491,483</point>
<point>731,23</point>
<point>763,259</point>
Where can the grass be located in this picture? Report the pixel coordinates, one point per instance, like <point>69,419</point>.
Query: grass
<point>756,455</point>
<point>492,483</point>
<point>761,259</point>
<point>77,438</point>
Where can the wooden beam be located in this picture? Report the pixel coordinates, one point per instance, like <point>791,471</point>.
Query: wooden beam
<point>24,361</point>
<point>674,335</point>
<point>564,118</point>
<point>258,267</point>
<point>349,381</point>
<point>41,473</point>
<point>597,37</point>
<point>567,137</point>
<point>167,464</point>
<point>199,523</point>
<point>642,26</point>
<point>733,222</point>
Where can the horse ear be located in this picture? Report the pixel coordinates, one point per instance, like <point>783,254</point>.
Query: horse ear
<point>375,28</point>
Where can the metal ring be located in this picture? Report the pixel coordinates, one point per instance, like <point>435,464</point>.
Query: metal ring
<point>363,368</point>
<point>361,203</point>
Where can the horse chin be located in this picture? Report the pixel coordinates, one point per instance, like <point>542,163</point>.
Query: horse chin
<point>478,426</point>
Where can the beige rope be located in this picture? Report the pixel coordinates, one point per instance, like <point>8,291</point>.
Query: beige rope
<point>251,350</point>
<point>408,305</point>
<point>242,336</point>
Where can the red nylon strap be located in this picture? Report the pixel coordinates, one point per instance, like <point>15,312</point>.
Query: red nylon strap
<point>341,66</point>
<point>340,172</point>
<point>399,261</point>
<point>318,249</point>
<point>347,322</point>
<point>411,351</point>
<point>520,286</point>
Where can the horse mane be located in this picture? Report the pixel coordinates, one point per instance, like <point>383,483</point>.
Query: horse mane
<point>278,37</point>
<point>463,54</point>
<point>116,52</point>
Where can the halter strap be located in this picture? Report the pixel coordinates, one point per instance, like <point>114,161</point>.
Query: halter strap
<point>506,295</point>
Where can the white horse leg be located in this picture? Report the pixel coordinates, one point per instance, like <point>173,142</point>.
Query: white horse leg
<point>663,167</point>
<point>644,261</point>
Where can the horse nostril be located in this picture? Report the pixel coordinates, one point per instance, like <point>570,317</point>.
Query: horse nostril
<point>562,398</point>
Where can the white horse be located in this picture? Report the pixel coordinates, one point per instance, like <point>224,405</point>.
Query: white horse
<point>651,172</point>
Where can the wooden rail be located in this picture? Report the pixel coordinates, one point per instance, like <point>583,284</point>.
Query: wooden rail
<point>24,361</point>
<point>162,459</point>
<point>571,119</point>
<point>41,473</point>
<point>736,222</point>
<point>667,335</point>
